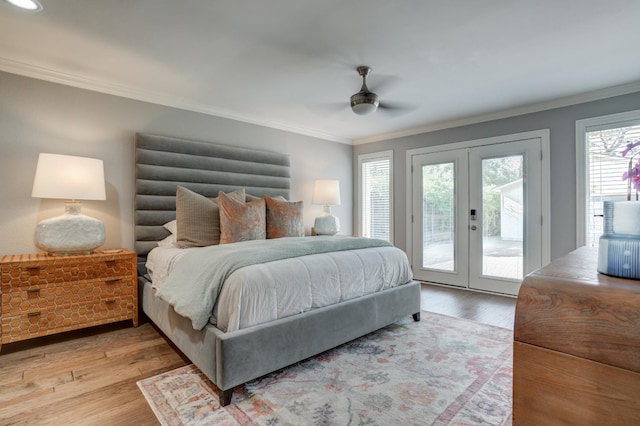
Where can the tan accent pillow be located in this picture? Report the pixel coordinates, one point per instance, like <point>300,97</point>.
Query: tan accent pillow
<point>198,218</point>
<point>284,218</point>
<point>241,221</point>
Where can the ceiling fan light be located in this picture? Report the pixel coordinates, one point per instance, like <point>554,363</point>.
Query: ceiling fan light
<point>30,5</point>
<point>364,108</point>
<point>364,102</point>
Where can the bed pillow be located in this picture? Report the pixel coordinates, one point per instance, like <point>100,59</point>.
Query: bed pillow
<point>171,226</point>
<point>254,198</point>
<point>284,218</point>
<point>198,217</point>
<point>170,241</point>
<point>241,221</point>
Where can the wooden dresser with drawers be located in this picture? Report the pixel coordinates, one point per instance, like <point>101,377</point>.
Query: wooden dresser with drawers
<point>43,294</point>
<point>576,346</point>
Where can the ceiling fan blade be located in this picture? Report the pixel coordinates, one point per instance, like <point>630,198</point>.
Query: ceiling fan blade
<point>396,108</point>
<point>382,82</point>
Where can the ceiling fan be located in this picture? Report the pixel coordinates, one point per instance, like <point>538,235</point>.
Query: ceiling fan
<point>366,102</point>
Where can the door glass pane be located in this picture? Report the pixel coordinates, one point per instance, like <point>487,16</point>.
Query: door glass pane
<point>502,217</point>
<point>438,219</point>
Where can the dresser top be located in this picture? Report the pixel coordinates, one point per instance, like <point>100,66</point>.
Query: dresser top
<point>580,266</point>
<point>38,257</point>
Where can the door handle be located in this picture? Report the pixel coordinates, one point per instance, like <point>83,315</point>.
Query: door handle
<point>473,214</point>
<point>473,227</point>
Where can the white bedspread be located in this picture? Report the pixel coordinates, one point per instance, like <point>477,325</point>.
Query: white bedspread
<point>260,293</point>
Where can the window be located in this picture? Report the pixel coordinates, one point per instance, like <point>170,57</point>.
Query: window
<point>375,200</point>
<point>600,142</point>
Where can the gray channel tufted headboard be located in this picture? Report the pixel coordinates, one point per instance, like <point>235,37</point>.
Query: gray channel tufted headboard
<point>163,163</point>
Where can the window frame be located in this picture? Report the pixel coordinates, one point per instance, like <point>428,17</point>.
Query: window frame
<point>624,119</point>
<point>367,158</point>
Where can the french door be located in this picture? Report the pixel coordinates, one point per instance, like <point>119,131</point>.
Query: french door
<point>477,215</point>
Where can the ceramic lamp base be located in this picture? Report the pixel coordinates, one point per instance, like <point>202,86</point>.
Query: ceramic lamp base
<point>326,225</point>
<point>70,233</point>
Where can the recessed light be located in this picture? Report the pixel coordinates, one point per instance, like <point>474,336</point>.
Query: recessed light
<point>30,5</point>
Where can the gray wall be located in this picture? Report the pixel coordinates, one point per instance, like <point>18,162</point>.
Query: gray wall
<point>38,116</point>
<point>560,121</point>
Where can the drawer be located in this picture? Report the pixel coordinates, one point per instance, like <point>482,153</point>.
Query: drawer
<point>49,270</point>
<point>43,322</point>
<point>21,299</point>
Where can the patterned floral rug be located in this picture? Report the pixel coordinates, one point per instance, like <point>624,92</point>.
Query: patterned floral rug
<point>439,371</point>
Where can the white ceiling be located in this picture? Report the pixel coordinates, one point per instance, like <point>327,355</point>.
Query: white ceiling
<point>290,64</point>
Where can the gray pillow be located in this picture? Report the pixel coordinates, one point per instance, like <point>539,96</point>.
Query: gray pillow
<point>198,217</point>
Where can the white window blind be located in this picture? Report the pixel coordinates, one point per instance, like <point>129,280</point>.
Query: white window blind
<point>606,166</point>
<point>376,201</point>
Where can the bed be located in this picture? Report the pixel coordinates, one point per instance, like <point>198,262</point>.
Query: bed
<point>240,354</point>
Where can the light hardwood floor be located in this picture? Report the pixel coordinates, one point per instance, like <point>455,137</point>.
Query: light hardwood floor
<point>88,377</point>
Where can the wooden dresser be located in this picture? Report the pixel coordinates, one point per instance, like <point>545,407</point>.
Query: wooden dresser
<point>44,294</point>
<point>576,346</point>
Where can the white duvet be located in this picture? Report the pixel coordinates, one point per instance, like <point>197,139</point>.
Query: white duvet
<point>261,293</point>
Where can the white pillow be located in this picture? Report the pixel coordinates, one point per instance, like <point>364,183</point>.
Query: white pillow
<point>171,226</point>
<point>170,241</point>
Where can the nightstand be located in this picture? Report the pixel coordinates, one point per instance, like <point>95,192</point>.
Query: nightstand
<point>43,294</point>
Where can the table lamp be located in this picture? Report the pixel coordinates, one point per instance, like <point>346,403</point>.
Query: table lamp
<point>71,178</point>
<point>327,193</point>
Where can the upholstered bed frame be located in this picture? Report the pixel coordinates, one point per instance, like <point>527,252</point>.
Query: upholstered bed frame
<point>230,359</point>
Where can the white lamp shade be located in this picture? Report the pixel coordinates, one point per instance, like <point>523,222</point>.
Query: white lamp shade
<point>69,177</point>
<point>326,192</point>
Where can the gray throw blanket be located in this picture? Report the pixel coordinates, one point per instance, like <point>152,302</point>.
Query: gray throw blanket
<point>193,286</point>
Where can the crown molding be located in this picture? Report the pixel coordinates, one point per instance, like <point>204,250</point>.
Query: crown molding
<point>595,95</point>
<point>41,73</point>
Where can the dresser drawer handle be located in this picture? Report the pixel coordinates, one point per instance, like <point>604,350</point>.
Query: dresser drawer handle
<point>110,302</point>
<point>34,314</point>
<point>110,263</point>
<point>112,281</point>
<point>33,268</point>
<point>33,291</point>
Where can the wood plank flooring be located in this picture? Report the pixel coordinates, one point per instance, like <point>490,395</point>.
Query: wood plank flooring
<point>88,377</point>
<point>460,303</point>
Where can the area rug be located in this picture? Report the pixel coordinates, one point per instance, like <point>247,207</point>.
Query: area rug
<point>439,371</point>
